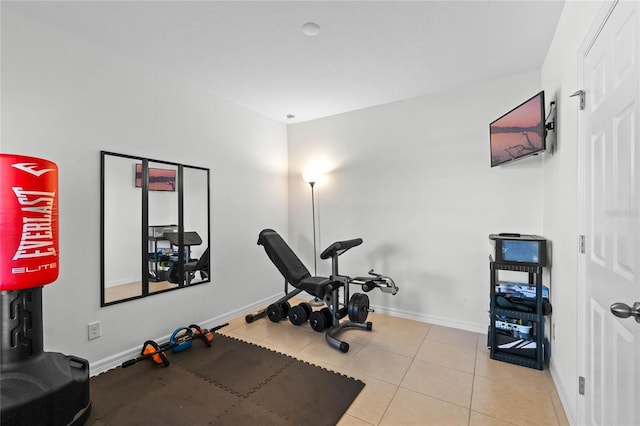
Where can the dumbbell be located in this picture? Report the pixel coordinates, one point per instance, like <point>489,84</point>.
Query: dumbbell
<point>299,314</point>
<point>277,312</point>
<point>321,320</point>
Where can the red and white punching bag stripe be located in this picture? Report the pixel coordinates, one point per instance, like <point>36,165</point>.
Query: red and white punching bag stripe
<point>28,222</point>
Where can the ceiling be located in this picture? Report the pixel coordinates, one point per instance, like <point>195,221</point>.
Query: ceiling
<point>255,53</point>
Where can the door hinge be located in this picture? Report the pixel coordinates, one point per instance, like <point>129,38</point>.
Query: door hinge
<point>580,93</point>
<point>581,244</point>
<point>581,385</point>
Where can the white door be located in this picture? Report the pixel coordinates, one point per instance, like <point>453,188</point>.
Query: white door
<point>611,165</point>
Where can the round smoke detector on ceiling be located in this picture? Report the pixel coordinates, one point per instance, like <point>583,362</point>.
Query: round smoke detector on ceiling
<point>311,29</point>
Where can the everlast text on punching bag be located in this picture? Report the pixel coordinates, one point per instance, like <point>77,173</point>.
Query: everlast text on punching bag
<point>36,387</point>
<point>29,222</point>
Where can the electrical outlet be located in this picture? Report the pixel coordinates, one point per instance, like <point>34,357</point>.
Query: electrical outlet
<point>94,330</point>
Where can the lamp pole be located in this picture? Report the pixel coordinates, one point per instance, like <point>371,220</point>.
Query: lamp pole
<point>312,179</point>
<point>313,215</point>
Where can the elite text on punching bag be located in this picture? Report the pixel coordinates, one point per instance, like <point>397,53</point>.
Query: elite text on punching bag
<point>29,220</point>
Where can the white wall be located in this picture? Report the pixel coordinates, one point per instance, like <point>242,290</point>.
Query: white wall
<point>560,77</point>
<point>66,99</point>
<point>413,179</point>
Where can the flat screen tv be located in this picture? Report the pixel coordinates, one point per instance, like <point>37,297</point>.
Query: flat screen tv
<point>518,133</point>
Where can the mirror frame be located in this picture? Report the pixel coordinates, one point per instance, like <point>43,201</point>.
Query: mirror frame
<point>144,231</point>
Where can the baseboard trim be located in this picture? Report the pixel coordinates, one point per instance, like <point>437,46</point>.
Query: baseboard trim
<point>116,360</point>
<point>569,408</point>
<point>433,319</point>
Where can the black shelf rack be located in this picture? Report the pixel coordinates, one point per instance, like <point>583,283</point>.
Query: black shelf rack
<point>157,272</point>
<point>532,358</point>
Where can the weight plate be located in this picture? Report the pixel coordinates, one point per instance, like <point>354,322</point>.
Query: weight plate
<point>285,306</point>
<point>298,315</point>
<point>358,307</point>
<point>274,312</point>
<point>318,321</point>
<point>327,314</point>
<point>307,308</point>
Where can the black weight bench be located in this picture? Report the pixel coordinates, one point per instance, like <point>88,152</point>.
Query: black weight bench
<point>191,266</point>
<point>201,265</point>
<point>327,289</point>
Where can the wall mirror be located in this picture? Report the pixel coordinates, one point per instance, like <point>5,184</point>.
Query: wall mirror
<point>154,228</point>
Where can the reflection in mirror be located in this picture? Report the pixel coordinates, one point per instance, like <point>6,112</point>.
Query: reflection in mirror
<point>155,227</point>
<point>122,221</point>
<point>196,220</point>
<point>163,218</point>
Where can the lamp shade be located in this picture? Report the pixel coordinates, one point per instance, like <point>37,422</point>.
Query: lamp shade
<point>312,176</point>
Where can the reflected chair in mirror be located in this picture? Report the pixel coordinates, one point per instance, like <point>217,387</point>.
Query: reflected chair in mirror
<point>201,266</point>
<point>191,266</point>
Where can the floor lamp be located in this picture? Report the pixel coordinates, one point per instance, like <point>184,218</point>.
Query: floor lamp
<point>312,178</point>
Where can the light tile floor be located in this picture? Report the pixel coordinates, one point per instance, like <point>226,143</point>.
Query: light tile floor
<point>418,374</point>
<point>124,291</point>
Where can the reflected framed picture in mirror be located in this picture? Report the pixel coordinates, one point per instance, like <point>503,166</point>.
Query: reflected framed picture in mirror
<point>159,179</point>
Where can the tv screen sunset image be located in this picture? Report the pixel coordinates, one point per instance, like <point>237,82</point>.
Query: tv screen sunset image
<point>518,133</point>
